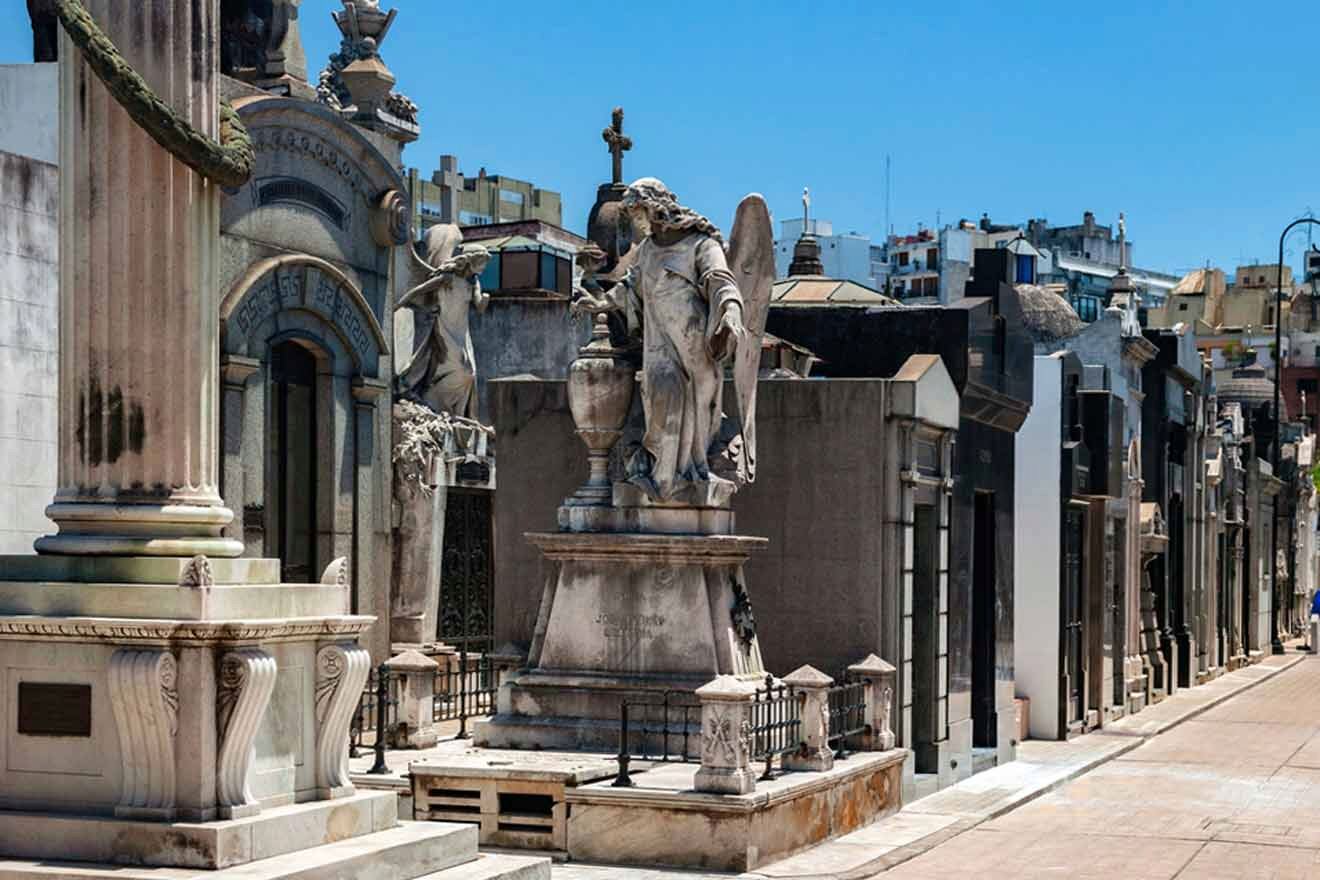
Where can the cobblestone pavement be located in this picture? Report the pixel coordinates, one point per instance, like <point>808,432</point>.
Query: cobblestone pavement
<point>1232,793</point>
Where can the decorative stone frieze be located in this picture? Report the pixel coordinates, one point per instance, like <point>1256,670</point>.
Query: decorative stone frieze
<point>189,633</point>
<point>246,682</point>
<point>145,697</point>
<point>341,674</point>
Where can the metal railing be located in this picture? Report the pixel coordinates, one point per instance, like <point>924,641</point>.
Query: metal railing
<point>776,723</point>
<point>663,730</point>
<point>465,688</point>
<point>846,709</point>
<point>376,714</point>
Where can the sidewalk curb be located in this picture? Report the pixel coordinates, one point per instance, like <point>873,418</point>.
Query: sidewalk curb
<point>922,845</point>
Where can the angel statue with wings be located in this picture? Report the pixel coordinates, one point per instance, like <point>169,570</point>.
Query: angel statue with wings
<point>697,306</point>
<point>442,372</point>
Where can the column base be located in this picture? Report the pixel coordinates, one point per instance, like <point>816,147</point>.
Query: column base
<point>725,780</point>
<point>89,528</point>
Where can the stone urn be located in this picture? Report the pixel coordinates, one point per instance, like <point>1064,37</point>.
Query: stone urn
<point>600,389</point>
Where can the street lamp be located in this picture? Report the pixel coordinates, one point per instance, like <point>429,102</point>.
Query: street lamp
<point>1276,643</point>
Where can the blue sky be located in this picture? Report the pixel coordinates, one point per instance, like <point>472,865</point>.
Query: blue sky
<point>1200,120</point>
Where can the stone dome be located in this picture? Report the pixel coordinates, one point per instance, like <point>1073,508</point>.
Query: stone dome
<point>1250,387</point>
<point>1047,316</point>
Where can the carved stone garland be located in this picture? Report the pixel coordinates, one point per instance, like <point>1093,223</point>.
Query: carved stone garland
<point>145,697</point>
<point>247,679</point>
<point>341,674</point>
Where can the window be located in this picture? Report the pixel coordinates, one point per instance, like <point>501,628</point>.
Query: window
<point>513,197</point>
<point>471,218</point>
<point>898,288</point>
<point>932,256</point>
<point>1310,386</point>
<point>902,258</point>
<point>520,270</point>
<point>490,276</point>
<point>1182,307</point>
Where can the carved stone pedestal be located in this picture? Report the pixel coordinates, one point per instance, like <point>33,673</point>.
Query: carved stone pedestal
<point>174,689</point>
<point>624,615</point>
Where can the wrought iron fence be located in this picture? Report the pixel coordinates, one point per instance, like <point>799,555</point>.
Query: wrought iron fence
<point>661,729</point>
<point>846,708</point>
<point>376,714</point>
<point>465,688</point>
<point>776,723</point>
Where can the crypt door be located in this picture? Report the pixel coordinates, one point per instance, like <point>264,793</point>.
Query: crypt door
<point>1072,634</point>
<point>293,444</point>
<point>466,618</point>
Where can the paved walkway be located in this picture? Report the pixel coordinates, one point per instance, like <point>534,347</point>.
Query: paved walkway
<point>1222,780</point>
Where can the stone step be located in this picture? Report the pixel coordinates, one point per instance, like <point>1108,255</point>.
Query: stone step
<point>409,851</point>
<point>406,852</point>
<point>223,844</point>
<point>492,866</point>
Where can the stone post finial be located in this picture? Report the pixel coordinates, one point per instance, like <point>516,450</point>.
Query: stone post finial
<point>416,671</point>
<point>814,754</point>
<point>879,701</point>
<point>726,736</point>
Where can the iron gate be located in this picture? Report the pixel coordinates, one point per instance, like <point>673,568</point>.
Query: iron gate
<point>466,581</point>
<point>1074,537</point>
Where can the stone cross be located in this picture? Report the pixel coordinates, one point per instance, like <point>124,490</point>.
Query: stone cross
<point>618,142</point>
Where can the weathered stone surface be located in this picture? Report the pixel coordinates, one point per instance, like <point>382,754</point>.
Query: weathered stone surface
<point>661,823</point>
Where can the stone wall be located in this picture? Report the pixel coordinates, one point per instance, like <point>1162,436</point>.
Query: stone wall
<point>29,343</point>
<point>816,590</point>
<point>524,336</point>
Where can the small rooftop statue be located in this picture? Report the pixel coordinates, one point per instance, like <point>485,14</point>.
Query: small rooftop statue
<point>696,307</point>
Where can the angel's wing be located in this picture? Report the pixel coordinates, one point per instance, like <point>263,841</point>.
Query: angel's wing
<point>752,262</point>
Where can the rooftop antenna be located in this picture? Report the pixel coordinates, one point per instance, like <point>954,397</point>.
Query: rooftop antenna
<point>889,229</point>
<point>806,209</point>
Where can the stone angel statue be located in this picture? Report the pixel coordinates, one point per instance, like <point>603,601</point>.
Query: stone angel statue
<point>698,306</point>
<point>442,372</point>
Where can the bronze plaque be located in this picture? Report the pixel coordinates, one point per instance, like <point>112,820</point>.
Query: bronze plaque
<point>54,709</point>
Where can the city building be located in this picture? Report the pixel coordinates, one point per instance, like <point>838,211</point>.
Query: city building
<point>1087,258</point>
<point>850,256</point>
<point>931,267</point>
<point>451,197</point>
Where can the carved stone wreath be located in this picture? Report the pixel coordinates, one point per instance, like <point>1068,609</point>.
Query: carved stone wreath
<point>744,621</point>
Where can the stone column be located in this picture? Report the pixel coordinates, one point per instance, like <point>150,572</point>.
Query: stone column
<point>726,736</point>
<point>815,753</point>
<point>418,552</point>
<point>139,336</point>
<point>879,702</point>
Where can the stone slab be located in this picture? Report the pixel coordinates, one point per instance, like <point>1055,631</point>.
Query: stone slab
<point>209,845</point>
<point>493,866</point>
<point>160,601</point>
<point>569,768</point>
<point>133,569</point>
<point>663,822</point>
<point>410,850</point>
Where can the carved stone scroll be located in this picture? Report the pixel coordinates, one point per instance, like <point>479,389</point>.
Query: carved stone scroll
<point>145,697</point>
<point>247,679</point>
<point>341,673</point>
